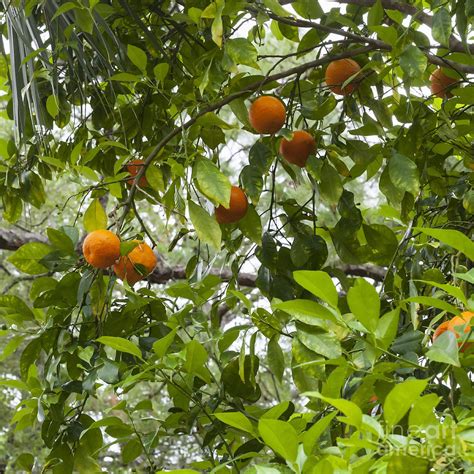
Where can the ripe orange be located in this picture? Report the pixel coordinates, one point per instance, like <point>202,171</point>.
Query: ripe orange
<point>338,72</point>
<point>138,264</point>
<point>441,83</point>
<point>101,248</point>
<point>236,210</point>
<point>298,149</point>
<point>454,325</point>
<point>267,114</point>
<point>133,167</point>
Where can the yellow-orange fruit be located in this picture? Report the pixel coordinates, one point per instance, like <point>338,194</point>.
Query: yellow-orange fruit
<point>441,83</point>
<point>133,167</point>
<point>454,325</point>
<point>138,264</point>
<point>298,149</point>
<point>267,114</point>
<point>237,208</point>
<point>101,248</point>
<point>338,72</point>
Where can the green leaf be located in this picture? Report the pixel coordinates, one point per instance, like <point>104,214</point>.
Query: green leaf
<point>212,182</point>
<point>32,190</point>
<point>154,176</point>
<point>125,77</point>
<point>322,343</point>
<point>210,119</point>
<point>275,7</point>
<point>52,106</point>
<point>196,358</point>
<point>407,463</point>
<point>120,344</point>
<point>251,225</point>
<point>63,9</point>
<point>350,409</point>
<point>312,435</point>
<point>445,349</point>
<point>404,173</point>
<point>450,237</point>
<point>13,383</point>
<point>376,14</point>
<point>236,420</point>
<point>131,450</point>
<point>330,187</point>
<point>242,51</point>
<point>275,358</point>
<point>306,311</point>
<point>401,398</point>
<point>450,289</point>
<point>11,346</point>
<point>468,276</point>
<point>434,302</point>
<point>387,328</point>
<point>233,383</point>
<point>95,217</point>
<point>319,284</point>
<point>137,56</point>
<point>25,462</point>
<point>61,241</point>
<point>12,207</point>
<point>307,9</point>
<point>83,20</point>
<point>469,8</point>
<point>28,256</point>
<point>217,29</point>
<point>161,346</point>
<point>465,94</point>
<point>441,29</point>
<point>364,303</point>
<point>423,414</point>
<point>161,71</point>
<point>207,228</point>
<point>15,309</point>
<point>413,62</point>
<point>279,436</point>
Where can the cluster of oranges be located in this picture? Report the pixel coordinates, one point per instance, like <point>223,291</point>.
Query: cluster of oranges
<point>101,249</point>
<point>267,115</point>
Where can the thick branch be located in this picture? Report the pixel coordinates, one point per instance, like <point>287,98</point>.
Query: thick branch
<point>454,44</point>
<point>14,239</point>
<point>377,44</point>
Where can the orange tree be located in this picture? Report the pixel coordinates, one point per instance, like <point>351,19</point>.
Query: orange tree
<point>293,336</point>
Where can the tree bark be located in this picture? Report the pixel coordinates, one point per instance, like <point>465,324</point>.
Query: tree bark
<point>13,239</point>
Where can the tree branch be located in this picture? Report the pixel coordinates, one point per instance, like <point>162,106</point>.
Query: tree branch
<point>12,240</point>
<point>454,44</point>
<point>377,44</point>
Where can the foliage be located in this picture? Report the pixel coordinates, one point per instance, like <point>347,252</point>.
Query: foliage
<point>327,364</point>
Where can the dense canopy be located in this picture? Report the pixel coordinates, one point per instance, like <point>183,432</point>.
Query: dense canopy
<point>278,202</point>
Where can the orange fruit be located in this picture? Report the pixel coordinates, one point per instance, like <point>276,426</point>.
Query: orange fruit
<point>133,167</point>
<point>298,149</point>
<point>454,325</point>
<point>237,208</point>
<point>267,114</point>
<point>441,83</point>
<point>338,72</point>
<point>138,264</point>
<point>101,248</point>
